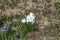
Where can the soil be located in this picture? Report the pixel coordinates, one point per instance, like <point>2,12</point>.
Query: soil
<point>40,9</point>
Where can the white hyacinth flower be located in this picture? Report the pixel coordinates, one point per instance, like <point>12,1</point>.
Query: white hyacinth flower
<point>29,18</point>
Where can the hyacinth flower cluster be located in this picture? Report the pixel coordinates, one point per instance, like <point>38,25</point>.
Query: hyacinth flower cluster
<point>4,28</point>
<point>17,38</point>
<point>29,18</point>
<point>27,25</point>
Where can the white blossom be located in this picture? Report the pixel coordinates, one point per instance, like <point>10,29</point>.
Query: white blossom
<point>29,18</point>
<point>23,20</point>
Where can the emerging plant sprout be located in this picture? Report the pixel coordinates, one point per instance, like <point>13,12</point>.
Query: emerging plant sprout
<point>29,18</point>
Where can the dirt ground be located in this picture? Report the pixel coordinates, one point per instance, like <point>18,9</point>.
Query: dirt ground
<point>43,13</point>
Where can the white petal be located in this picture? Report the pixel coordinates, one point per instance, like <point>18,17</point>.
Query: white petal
<point>31,13</point>
<point>23,20</point>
